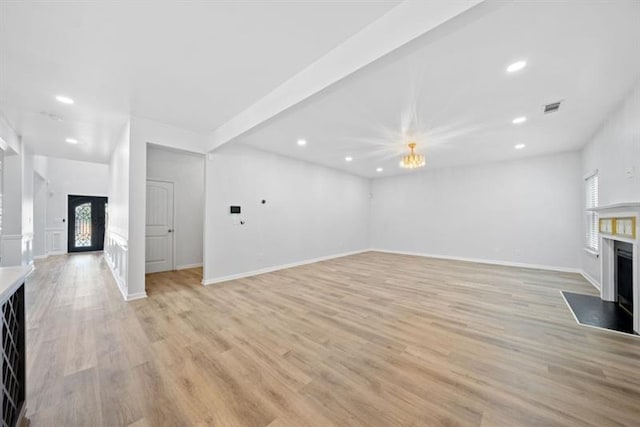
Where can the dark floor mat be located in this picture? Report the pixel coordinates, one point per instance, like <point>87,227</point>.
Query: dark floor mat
<point>591,310</point>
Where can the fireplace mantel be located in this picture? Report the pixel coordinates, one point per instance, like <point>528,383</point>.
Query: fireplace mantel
<point>623,206</point>
<point>608,290</point>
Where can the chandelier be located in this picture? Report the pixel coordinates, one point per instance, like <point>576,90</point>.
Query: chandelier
<point>412,160</point>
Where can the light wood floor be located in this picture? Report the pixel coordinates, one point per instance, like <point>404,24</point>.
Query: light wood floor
<point>367,340</point>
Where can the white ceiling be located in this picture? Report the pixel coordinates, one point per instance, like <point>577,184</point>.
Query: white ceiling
<point>450,91</point>
<point>189,64</point>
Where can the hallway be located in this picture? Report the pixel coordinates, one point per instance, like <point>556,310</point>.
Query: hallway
<point>89,358</point>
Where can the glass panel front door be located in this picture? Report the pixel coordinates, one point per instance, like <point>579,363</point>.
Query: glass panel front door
<point>87,219</point>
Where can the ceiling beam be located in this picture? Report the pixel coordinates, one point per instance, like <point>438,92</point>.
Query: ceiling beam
<point>397,27</point>
<point>9,138</point>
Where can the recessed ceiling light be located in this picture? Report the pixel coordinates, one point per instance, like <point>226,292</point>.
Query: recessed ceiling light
<point>516,66</point>
<point>348,158</point>
<point>519,120</point>
<point>302,142</point>
<point>71,140</point>
<point>379,169</point>
<point>64,99</point>
<point>519,146</point>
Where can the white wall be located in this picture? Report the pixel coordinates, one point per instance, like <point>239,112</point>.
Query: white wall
<point>614,151</point>
<point>520,211</point>
<point>27,206</point>
<point>40,166</point>
<point>118,186</point>
<point>117,233</point>
<point>2,209</point>
<point>11,248</point>
<point>310,212</point>
<point>17,229</point>
<point>40,194</point>
<point>9,139</point>
<point>27,192</point>
<point>143,132</point>
<point>186,171</point>
<point>12,197</point>
<point>72,177</point>
<point>127,197</point>
<point>65,177</point>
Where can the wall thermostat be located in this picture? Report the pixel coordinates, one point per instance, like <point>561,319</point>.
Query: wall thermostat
<point>234,209</point>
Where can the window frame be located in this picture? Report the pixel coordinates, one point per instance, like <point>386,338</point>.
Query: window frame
<point>591,218</point>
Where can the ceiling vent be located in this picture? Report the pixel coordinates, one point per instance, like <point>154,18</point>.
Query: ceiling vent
<point>552,108</point>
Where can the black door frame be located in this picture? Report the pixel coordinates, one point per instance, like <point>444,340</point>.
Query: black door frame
<point>98,222</point>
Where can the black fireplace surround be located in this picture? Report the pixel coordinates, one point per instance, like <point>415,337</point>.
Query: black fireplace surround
<point>624,275</point>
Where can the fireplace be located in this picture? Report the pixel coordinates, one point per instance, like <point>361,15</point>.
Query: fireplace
<point>623,275</point>
<point>619,256</point>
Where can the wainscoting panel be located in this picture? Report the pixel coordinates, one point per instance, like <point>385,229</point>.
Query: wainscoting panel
<point>55,241</point>
<point>16,249</point>
<point>116,254</point>
<point>27,249</point>
<point>11,249</point>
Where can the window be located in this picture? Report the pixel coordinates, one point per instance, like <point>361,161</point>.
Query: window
<point>591,222</point>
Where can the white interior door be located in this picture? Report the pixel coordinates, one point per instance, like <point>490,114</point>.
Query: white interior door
<point>159,227</point>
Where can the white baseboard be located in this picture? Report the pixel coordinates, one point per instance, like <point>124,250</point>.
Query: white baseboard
<point>591,280</point>
<point>187,266</point>
<point>56,253</point>
<point>278,267</point>
<point>40,256</point>
<point>486,261</point>
<point>136,296</point>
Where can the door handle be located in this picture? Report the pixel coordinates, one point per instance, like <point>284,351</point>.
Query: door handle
<point>169,231</point>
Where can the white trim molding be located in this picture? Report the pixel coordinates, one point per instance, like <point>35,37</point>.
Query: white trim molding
<point>608,286</point>
<point>278,267</point>
<point>55,253</point>
<point>55,240</point>
<point>120,281</point>
<point>591,280</point>
<point>591,252</point>
<point>116,255</point>
<point>187,266</point>
<point>12,248</point>
<point>11,237</point>
<point>446,257</point>
<point>133,297</point>
<point>485,261</point>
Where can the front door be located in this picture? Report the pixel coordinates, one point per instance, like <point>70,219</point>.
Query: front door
<point>159,230</point>
<point>87,217</point>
